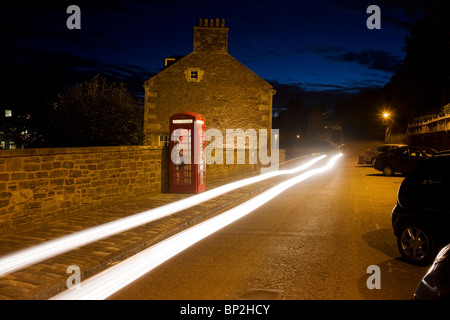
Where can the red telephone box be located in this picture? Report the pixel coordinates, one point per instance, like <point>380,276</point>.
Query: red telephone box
<point>187,153</point>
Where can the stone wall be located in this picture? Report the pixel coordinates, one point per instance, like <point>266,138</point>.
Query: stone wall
<point>216,171</point>
<point>228,95</point>
<point>53,182</point>
<point>41,184</point>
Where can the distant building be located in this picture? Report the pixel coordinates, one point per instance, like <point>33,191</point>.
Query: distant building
<point>5,141</point>
<point>208,81</point>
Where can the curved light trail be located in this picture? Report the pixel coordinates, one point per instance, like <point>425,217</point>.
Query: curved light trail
<point>111,280</point>
<point>51,248</point>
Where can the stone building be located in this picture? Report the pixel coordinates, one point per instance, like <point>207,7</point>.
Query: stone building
<point>208,81</point>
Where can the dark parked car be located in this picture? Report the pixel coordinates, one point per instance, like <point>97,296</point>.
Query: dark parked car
<point>402,160</point>
<point>369,155</point>
<point>436,282</point>
<point>421,217</point>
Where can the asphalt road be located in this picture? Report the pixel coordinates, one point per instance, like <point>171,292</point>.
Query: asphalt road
<point>314,241</point>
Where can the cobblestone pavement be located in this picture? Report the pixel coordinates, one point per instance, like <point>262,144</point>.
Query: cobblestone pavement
<point>47,278</point>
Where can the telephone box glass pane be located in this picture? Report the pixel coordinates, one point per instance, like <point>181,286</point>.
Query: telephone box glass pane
<point>182,139</point>
<point>187,151</point>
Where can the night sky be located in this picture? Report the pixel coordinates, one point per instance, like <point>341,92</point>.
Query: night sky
<point>312,45</point>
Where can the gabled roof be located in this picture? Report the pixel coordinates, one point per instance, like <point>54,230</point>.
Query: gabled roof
<point>202,58</point>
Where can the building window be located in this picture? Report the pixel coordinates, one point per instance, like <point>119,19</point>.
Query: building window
<point>164,140</point>
<point>194,74</point>
<point>8,113</point>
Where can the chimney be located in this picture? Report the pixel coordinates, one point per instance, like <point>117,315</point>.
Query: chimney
<point>211,36</point>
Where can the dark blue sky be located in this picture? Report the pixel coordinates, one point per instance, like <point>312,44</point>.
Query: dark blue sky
<point>316,45</point>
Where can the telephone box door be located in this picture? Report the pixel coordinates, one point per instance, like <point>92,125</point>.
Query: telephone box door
<point>187,153</point>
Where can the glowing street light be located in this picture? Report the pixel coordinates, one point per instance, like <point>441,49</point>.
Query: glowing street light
<point>386,118</point>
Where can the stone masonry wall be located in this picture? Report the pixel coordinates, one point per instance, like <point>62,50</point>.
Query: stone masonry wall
<point>229,96</point>
<point>46,183</point>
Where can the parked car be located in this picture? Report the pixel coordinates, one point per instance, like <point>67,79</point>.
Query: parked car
<point>436,282</point>
<point>402,159</point>
<point>421,217</point>
<point>369,155</point>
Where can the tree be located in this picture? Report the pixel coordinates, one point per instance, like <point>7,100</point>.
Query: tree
<point>421,86</point>
<point>95,113</point>
<point>424,82</point>
<point>360,117</point>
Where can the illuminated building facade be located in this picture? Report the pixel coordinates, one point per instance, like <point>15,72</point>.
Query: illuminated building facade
<point>208,81</point>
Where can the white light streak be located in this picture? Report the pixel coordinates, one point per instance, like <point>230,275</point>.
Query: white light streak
<point>108,282</point>
<point>48,249</point>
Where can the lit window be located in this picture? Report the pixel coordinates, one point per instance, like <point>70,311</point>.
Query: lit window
<point>8,113</point>
<point>194,74</point>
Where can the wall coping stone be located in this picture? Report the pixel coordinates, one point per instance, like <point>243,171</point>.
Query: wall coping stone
<point>54,151</point>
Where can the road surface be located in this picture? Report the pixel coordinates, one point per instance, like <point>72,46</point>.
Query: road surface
<point>318,240</point>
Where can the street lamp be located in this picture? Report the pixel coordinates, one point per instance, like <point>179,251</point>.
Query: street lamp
<point>386,118</point>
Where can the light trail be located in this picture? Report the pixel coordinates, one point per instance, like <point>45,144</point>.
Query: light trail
<point>111,280</point>
<point>51,248</point>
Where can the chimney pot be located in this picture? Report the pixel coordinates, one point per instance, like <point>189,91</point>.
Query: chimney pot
<point>211,36</point>
<point>202,22</point>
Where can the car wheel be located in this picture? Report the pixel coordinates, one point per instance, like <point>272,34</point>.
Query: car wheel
<point>388,171</point>
<point>416,244</point>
